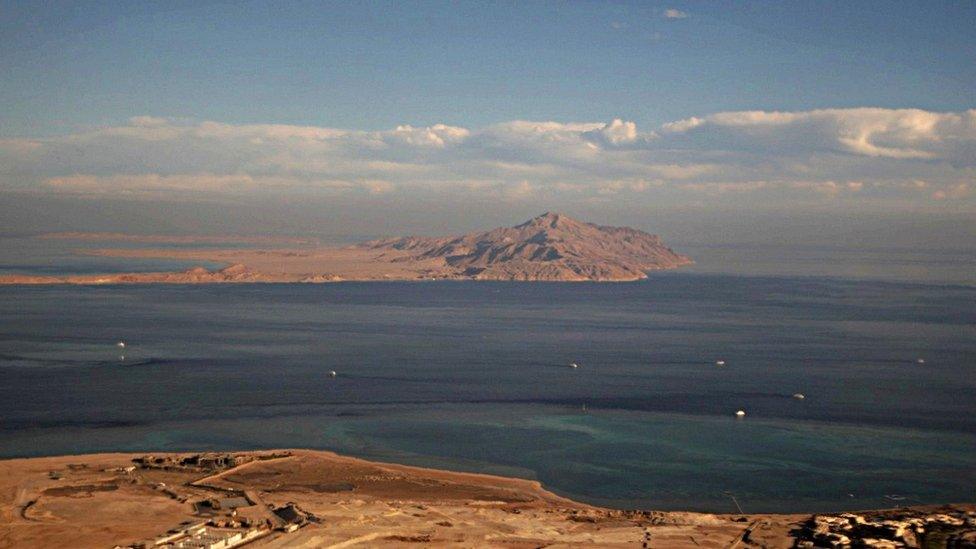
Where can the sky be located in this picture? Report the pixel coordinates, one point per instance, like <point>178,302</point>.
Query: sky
<point>790,122</point>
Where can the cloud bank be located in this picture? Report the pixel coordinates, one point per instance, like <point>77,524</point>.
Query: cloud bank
<point>822,155</point>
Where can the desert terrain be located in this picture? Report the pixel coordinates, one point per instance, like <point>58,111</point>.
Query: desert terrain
<point>550,247</point>
<point>106,500</point>
<point>304,499</point>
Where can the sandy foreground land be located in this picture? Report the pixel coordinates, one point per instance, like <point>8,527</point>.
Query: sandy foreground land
<point>93,501</point>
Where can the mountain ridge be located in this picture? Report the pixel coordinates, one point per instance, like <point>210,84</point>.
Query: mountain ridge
<point>551,246</point>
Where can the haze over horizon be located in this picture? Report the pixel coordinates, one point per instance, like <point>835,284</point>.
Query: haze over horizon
<point>786,123</point>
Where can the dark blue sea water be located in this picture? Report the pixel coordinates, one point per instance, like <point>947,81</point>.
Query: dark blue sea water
<point>475,376</point>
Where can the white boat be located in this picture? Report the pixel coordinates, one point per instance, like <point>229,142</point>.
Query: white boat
<point>332,373</point>
<point>573,365</point>
<point>798,396</point>
<point>120,345</point>
<point>920,361</point>
<point>740,413</point>
<point>720,363</point>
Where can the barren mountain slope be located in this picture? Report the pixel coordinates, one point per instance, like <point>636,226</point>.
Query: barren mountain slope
<point>551,246</point>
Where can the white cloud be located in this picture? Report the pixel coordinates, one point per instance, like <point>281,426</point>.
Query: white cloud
<point>615,133</point>
<point>148,121</point>
<point>864,154</point>
<point>886,133</point>
<point>433,136</point>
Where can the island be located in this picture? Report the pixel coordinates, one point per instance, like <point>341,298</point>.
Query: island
<point>550,247</point>
<point>309,498</point>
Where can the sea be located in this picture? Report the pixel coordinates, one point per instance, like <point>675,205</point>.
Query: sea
<point>476,376</point>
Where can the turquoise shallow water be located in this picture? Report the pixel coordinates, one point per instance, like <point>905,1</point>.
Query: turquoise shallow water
<point>622,459</point>
<point>475,376</point>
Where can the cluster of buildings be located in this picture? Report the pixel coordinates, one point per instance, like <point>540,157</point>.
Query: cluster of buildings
<point>227,518</point>
<point>210,461</point>
<point>228,531</point>
<point>906,529</point>
<point>204,535</point>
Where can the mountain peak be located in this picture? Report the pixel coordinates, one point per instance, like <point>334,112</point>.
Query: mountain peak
<point>551,246</point>
<point>551,220</point>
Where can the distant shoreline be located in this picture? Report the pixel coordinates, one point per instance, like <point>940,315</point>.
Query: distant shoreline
<point>550,247</point>
<point>201,275</point>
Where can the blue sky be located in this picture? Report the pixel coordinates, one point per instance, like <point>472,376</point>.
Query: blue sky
<point>377,65</point>
<point>619,111</point>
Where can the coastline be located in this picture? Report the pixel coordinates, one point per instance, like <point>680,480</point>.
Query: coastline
<point>319,498</point>
<point>324,265</point>
<point>550,247</point>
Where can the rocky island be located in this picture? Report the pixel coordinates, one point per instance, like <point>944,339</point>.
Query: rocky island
<point>550,247</point>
